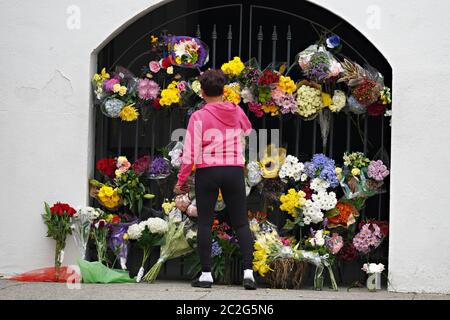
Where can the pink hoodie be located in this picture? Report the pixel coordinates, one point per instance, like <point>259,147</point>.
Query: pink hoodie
<point>213,138</point>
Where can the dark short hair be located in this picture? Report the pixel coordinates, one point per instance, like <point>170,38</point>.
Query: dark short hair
<point>212,82</point>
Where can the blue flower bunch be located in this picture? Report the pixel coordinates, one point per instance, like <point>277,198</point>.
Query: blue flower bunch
<point>216,249</point>
<point>322,167</point>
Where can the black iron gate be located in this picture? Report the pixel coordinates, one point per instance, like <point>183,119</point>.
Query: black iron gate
<point>270,31</point>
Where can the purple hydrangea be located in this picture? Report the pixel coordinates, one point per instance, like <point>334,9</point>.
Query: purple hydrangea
<point>322,167</point>
<point>216,250</point>
<point>159,166</point>
<point>377,170</point>
<point>367,239</point>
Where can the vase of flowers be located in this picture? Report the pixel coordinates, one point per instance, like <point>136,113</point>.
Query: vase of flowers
<point>373,271</point>
<point>57,218</point>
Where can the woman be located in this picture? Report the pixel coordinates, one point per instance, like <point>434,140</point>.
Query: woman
<point>213,145</point>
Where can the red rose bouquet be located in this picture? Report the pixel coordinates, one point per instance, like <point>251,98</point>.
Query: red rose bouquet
<point>107,167</point>
<point>57,218</point>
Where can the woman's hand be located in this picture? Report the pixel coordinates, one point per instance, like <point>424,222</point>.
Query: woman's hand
<point>180,189</point>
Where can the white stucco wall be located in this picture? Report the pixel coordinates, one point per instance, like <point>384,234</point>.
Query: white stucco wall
<point>45,123</point>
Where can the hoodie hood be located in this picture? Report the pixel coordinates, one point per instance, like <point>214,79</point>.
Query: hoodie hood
<point>224,112</point>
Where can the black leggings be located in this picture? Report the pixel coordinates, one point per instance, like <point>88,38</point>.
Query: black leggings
<point>230,180</point>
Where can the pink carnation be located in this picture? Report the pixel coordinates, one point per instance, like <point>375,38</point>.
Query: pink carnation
<point>181,85</point>
<point>377,170</point>
<point>154,66</point>
<point>148,89</point>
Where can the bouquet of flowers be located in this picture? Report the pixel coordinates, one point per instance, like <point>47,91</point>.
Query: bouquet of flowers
<point>147,234</point>
<point>360,177</point>
<point>117,94</point>
<point>368,93</point>
<point>320,249</point>
<point>318,64</point>
<point>123,186</point>
<point>187,52</point>
<point>370,236</point>
<point>273,257</point>
<point>81,226</point>
<point>57,218</point>
<point>309,99</point>
<point>99,232</point>
<point>175,245</point>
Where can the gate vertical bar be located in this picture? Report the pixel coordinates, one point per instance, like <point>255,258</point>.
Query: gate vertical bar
<point>198,34</point>
<point>366,129</point>
<point>274,44</point>
<point>119,142</point>
<point>347,145</point>
<point>382,148</point>
<point>331,136</point>
<point>288,40</point>
<point>136,140</point>
<point>229,38</point>
<point>214,39</point>
<point>314,136</point>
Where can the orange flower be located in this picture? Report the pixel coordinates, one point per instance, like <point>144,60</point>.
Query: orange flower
<point>215,225</point>
<point>346,216</point>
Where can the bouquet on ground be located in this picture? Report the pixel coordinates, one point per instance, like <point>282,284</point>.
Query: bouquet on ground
<point>81,227</point>
<point>373,271</point>
<point>175,244</point>
<point>320,249</point>
<point>273,257</point>
<point>147,234</point>
<point>58,221</point>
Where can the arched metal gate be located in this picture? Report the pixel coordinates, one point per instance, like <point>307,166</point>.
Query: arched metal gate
<point>270,31</point>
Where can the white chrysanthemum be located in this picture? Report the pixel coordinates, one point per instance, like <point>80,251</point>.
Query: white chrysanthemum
<point>157,225</point>
<point>303,177</point>
<point>324,200</point>
<point>254,175</point>
<point>312,211</point>
<point>318,184</point>
<point>291,168</point>
<point>339,100</point>
<point>247,95</point>
<point>135,231</point>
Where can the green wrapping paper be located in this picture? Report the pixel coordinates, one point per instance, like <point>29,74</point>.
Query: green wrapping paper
<point>96,272</point>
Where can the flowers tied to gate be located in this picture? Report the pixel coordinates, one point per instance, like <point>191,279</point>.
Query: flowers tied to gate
<point>147,234</point>
<point>58,221</point>
<point>233,68</point>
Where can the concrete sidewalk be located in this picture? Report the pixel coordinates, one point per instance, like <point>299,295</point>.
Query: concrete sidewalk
<point>177,290</point>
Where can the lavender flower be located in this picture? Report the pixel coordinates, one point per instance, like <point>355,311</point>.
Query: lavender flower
<point>216,250</point>
<point>377,170</point>
<point>159,166</point>
<point>322,167</point>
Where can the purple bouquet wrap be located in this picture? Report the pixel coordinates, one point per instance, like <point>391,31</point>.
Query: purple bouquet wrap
<point>187,52</point>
